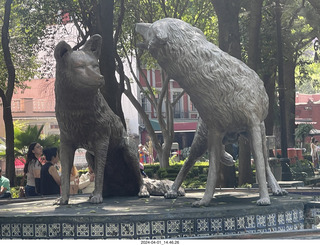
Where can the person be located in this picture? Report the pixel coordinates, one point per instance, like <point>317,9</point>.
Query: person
<point>314,154</point>
<point>150,151</point>
<point>142,170</point>
<point>318,154</point>
<point>142,154</point>
<point>86,182</point>
<point>4,186</point>
<point>32,170</point>
<point>50,179</point>
<point>74,180</point>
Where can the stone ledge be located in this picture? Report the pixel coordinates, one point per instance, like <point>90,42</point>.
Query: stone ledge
<point>152,218</point>
<point>285,184</point>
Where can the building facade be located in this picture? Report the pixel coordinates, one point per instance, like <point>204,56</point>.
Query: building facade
<point>308,112</point>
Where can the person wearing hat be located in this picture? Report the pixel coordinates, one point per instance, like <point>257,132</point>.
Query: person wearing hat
<point>142,154</point>
<point>4,186</point>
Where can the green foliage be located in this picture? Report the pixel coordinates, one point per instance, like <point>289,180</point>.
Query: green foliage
<point>196,12</point>
<point>246,185</point>
<point>302,131</point>
<point>24,135</point>
<point>196,178</point>
<point>14,192</point>
<point>307,74</point>
<point>302,169</point>
<point>24,32</point>
<point>162,173</point>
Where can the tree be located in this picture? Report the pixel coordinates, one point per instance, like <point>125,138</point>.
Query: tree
<point>156,98</point>
<point>301,132</point>
<point>293,43</point>
<point>6,96</point>
<point>229,41</point>
<point>255,18</point>
<point>316,5</point>
<point>113,89</point>
<point>24,135</point>
<point>17,52</point>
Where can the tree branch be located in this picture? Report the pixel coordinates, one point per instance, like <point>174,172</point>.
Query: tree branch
<point>6,51</point>
<point>177,99</point>
<point>142,113</point>
<point>150,98</point>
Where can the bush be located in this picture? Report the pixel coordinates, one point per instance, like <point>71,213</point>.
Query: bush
<point>162,173</point>
<point>15,192</point>
<point>196,178</point>
<point>308,157</point>
<point>302,169</point>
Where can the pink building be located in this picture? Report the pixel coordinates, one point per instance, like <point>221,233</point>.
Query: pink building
<point>35,106</point>
<point>308,111</point>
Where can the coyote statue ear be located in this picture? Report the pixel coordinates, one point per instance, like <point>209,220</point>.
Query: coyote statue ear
<point>94,45</point>
<point>61,49</point>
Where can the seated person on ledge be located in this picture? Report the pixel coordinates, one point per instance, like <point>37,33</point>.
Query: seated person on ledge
<point>4,186</point>
<point>86,182</point>
<point>49,177</point>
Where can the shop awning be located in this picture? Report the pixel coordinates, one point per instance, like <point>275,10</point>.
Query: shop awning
<point>179,127</point>
<point>304,121</point>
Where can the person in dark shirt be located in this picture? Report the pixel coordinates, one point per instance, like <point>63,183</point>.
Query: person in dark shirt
<point>50,179</point>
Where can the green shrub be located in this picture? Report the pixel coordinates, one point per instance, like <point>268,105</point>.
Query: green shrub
<point>302,169</point>
<point>308,157</point>
<point>162,173</point>
<point>151,170</point>
<point>14,192</point>
<point>196,178</point>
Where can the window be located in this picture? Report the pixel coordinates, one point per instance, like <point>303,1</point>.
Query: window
<point>145,104</point>
<point>16,105</point>
<point>54,126</point>
<point>177,107</point>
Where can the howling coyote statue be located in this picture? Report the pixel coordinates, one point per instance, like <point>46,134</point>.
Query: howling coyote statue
<point>229,96</point>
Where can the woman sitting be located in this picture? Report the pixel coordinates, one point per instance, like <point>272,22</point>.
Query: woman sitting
<point>50,179</point>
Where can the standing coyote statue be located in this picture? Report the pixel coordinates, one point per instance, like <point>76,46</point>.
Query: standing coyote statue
<point>229,96</point>
<point>86,121</point>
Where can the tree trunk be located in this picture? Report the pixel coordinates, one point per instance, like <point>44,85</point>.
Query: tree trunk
<point>228,19</point>
<point>245,171</point>
<point>9,129</point>
<point>165,155</point>
<point>111,90</point>
<point>254,34</point>
<point>229,41</point>
<point>6,97</point>
<point>269,83</point>
<point>289,85</point>
<point>163,151</point>
<point>315,4</point>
